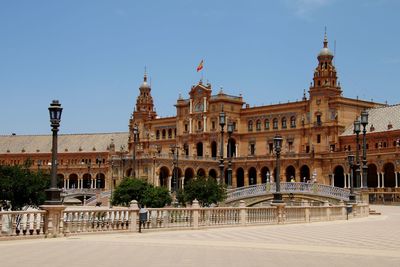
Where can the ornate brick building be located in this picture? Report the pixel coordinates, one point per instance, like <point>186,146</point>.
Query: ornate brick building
<point>317,137</point>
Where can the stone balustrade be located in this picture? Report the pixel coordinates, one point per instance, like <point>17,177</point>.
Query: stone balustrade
<point>79,220</point>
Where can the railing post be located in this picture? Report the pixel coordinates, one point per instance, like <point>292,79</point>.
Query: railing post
<point>133,211</point>
<point>281,212</point>
<point>242,212</point>
<point>53,220</point>
<point>195,208</point>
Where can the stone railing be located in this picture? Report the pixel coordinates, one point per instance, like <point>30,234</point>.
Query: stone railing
<point>22,223</point>
<point>287,188</point>
<point>59,221</point>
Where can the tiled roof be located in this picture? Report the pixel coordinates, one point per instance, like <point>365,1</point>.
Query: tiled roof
<point>380,119</point>
<point>98,142</point>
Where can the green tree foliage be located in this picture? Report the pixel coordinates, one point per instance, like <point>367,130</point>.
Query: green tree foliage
<point>205,189</point>
<point>22,186</point>
<point>137,189</point>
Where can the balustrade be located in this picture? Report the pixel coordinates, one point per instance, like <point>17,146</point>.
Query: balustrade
<point>15,223</point>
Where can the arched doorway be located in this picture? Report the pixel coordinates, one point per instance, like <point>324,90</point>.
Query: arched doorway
<point>87,180</point>
<point>129,172</point>
<point>100,180</point>
<point>304,173</point>
<point>290,173</point>
<point>338,173</point>
<point>213,149</point>
<point>252,176</point>
<point>264,173</point>
<point>239,177</point>
<point>73,180</point>
<point>163,176</point>
<point>201,172</point>
<point>389,177</point>
<point>189,174</point>
<point>199,149</point>
<point>212,173</point>
<point>233,147</point>
<point>372,179</point>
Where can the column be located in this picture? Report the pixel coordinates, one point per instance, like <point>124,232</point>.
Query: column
<point>236,150</point>
<point>383,180</point>
<point>234,180</point>
<point>205,104</point>
<point>259,178</point>
<point>396,181</point>
<point>191,106</point>
<point>361,177</point>
<point>333,179</point>
<point>379,180</point>
<point>182,182</point>
<point>345,180</point>
<point>246,178</point>
<point>65,184</point>
<point>190,125</point>
<point>204,123</point>
<point>169,183</point>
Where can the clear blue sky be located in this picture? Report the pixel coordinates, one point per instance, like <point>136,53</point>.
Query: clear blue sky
<point>91,54</point>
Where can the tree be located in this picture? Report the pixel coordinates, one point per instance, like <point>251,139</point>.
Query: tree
<point>22,186</point>
<point>205,189</point>
<point>137,189</point>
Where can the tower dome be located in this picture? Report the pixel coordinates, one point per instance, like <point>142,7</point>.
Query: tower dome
<point>325,50</point>
<point>144,85</point>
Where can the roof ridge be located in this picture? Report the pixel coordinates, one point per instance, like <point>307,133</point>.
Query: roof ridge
<point>25,135</point>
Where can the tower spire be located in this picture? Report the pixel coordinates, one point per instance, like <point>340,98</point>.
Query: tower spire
<point>145,74</point>
<point>325,39</point>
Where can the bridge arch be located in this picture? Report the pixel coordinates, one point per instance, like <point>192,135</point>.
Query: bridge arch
<point>163,176</point>
<point>304,173</point>
<point>372,179</point>
<point>338,177</point>
<point>290,173</point>
<point>252,176</point>
<point>239,177</point>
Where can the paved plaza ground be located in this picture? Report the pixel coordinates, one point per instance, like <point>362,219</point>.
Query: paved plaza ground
<point>372,241</point>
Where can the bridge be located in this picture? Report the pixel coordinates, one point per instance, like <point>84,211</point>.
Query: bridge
<point>256,194</point>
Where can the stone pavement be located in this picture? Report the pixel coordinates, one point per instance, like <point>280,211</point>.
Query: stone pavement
<point>372,241</point>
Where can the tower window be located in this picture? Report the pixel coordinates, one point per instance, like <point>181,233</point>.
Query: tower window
<point>275,123</point>
<point>157,134</point>
<point>250,126</point>
<point>284,123</point>
<point>186,127</point>
<point>293,122</point>
<point>258,125</point>
<point>266,124</point>
<point>318,138</point>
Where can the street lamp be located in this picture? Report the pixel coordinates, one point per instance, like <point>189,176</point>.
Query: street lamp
<point>352,197</point>
<point>98,181</point>
<point>357,129</point>
<point>230,131</point>
<point>278,144</point>
<point>175,162</point>
<point>53,193</point>
<point>364,122</point>
<point>135,140</point>
<point>222,118</point>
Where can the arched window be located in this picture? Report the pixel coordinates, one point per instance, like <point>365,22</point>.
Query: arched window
<point>163,134</point>
<point>284,123</point>
<point>266,124</point>
<point>275,123</point>
<point>199,125</point>
<point>293,122</point>
<point>250,126</point>
<point>158,134</point>
<point>169,133</point>
<point>258,125</point>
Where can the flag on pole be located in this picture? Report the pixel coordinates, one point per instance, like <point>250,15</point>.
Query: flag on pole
<point>200,66</point>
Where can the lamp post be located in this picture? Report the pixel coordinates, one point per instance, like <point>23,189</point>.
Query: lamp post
<point>230,131</point>
<point>357,129</point>
<point>98,161</point>
<point>112,181</point>
<point>278,145</point>
<point>222,118</point>
<point>53,193</point>
<point>364,122</point>
<point>135,139</point>
<point>175,162</point>
<point>352,197</point>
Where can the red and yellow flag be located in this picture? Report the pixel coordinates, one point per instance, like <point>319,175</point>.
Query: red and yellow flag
<point>200,66</point>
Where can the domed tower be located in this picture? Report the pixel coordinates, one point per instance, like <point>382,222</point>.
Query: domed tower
<point>325,76</point>
<point>144,103</point>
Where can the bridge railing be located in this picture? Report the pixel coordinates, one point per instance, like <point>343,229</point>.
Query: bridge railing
<point>291,187</point>
<point>61,221</point>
